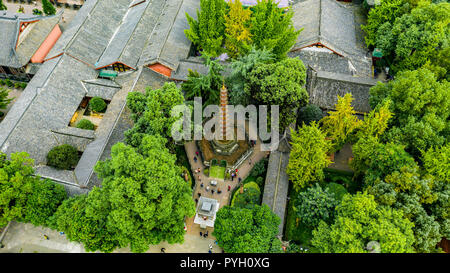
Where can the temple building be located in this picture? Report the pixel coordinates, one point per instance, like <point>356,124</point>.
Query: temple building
<point>26,41</point>
<point>110,48</point>
<point>206,212</point>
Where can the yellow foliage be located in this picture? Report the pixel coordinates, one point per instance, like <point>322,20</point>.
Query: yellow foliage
<point>342,122</point>
<point>377,121</point>
<point>237,29</point>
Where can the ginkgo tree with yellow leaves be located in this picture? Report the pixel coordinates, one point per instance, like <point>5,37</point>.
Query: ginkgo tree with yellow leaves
<point>237,32</point>
<point>339,124</point>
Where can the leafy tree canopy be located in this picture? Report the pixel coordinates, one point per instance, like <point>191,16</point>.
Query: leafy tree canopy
<point>412,39</point>
<point>237,32</point>
<point>246,230</point>
<point>422,199</point>
<point>280,84</point>
<point>207,32</point>
<point>272,29</point>
<point>375,160</point>
<point>339,124</point>
<point>4,100</point>
<point>24,197</point>
<point>143,200</point>
<point>48,7</point>
<point>315,205</point>
<point>152,112</point>
<point>206,86</point>
<point>240,69</point>
<point>309,156</point>
<point>361,220</point>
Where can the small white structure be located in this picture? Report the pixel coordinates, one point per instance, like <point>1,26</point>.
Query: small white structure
<point>206,212</point>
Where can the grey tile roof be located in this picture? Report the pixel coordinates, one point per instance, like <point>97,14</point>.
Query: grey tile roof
<point>167,43</point>
<point>102,31</point>
<point>324,60</point>
<point>30,40</point>
<point>324,87</point>
<point>326,22</point>
<point>277,185</point>
<point>133,33</point>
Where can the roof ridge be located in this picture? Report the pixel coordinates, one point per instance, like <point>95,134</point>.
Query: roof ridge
<point>69,44</point>
<point>149,2</point>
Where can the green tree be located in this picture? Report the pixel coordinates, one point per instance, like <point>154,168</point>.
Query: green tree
<point>415,37</point>
<point>250,197</point>
<point>340,124</point>
<point>2,6</point>
<point>376,122</point>
<point>386,12</point>
<point>419,104</point>
<point>207,32</point>
<point>279,84</point>
<point>45,199</point>
<point>246,230</point>
<point>361,220</point>
<point>423,201</point>
<point>152,112</point>
<point>24,197</point>
<point>436,161</point>
<point>309,113</point>
<point>315,205</point>
<point>4,100</point>
<point>205,86</point>
<point>48,7</point>
<point>97,104</point>
<point>77,218</point>
<point>237,33</point>
<point>15,186</point>
<point>85,124</point>
<point>374,160</point>
<point>147,197</point>
<point>240,69</point>
<point>273,29</point>
<point>308,157</point>
<point>413,93</point>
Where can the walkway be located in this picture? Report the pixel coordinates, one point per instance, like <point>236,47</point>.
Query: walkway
<point>26,238</point>
<point>224,197</point>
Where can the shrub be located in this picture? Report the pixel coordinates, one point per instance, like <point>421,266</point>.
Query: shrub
<point>1,114</point>
<point>309,113</point>
<point>337,189</point>
<point>17,85</point>
<point>250,197</point>
<point>260,181</point>
<point>37,12</point>
<point>86,124</point>
<point>23,85</point>
<point>2,82</point>
<point>63,157</point>
<point>206,171</point>
<point>260,168</point>
<point>9,83</point>
<point>213,162</point>
<point>97,104</point>
<point>223,163</point>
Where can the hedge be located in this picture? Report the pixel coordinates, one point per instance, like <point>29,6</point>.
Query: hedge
<point>63,157</point>
<point>86,124</point>
<point>97,104</point>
